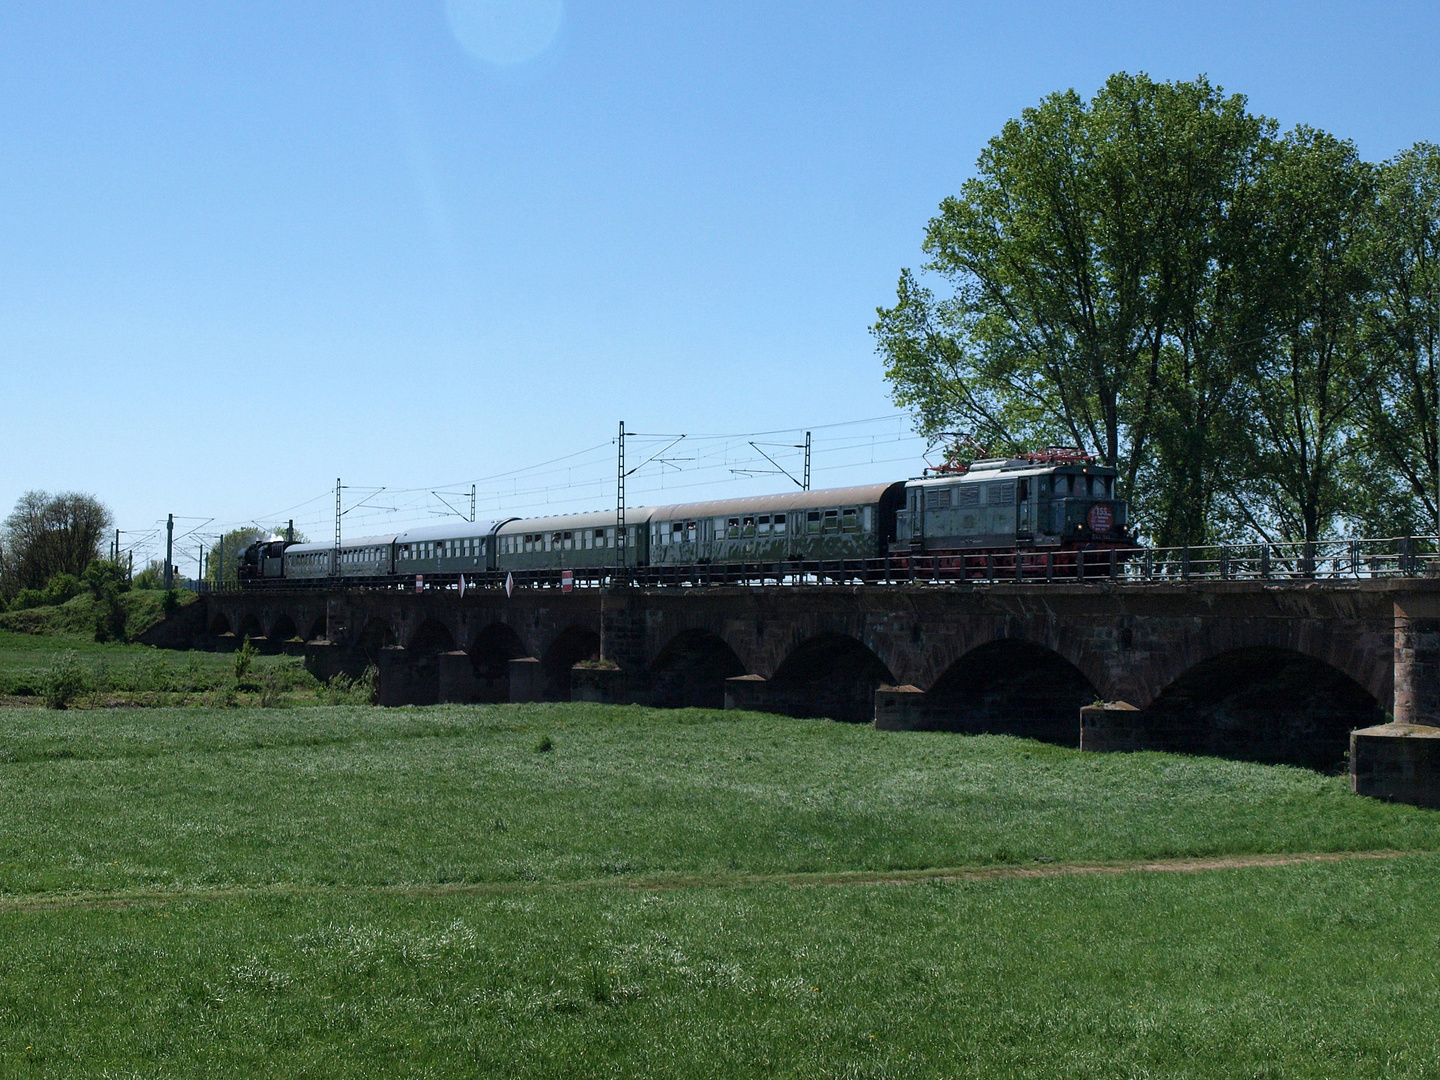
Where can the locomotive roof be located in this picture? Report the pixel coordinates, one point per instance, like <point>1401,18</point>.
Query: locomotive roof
<point>866,494</point>
<point>1009,468</point>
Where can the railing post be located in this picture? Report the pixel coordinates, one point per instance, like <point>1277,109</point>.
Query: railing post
<point>1224,562</point>
<point>1307,567</point>
<point>1405,566</point>
<point>1265,561</point>
<point>1147,566</point>
<point>1185,563</point>
<point>1049,566</point>
<point>1114,563</point>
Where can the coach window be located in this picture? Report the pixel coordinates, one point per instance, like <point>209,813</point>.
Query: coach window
<point>762,525</point>
<point>850,520</point>
<point>777,525</point>
<point>748,529</point>
<point>832,521</point>
<point>567,541</point>
<point>732,528</point>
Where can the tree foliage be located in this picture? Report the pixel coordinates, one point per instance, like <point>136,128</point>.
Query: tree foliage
<point>46,535</point>
<point>1233,317</point>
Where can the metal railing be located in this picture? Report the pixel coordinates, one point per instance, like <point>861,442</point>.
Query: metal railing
<point>1331,560</point>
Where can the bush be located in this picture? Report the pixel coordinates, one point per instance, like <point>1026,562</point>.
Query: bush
<point>104,578</point>
<point>244,657</point>
<point>63,682</point>
<point>57,590</point>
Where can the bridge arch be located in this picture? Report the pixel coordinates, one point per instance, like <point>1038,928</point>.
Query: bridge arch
<point>829,674</point>
<point>431,638</point>
<point>282,628</point>
<point>319,627</point>
<point>491,651</point>
<point>690,671</point>
<point>250,627</point>
<point>1262,703</point>
<point>570,647</point>
<point>219,624</point>
<point>374,636</point>
<point>1012,686</point>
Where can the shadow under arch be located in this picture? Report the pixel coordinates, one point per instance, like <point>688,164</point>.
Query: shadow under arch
<point>490,654</point>
<point>283,629</point>
<point>690,671</point>
<point>319,627</point>
<point>219,625</point>
<point>574,644</point>
<point>250,627</point>
<point>830,675</point>
<point>1012,687</point>
<point>1264,704</point>
<point>431,638</point>
<point>374,637</point>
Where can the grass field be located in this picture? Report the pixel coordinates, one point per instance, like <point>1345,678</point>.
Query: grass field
<point>426,892</point>
<point>131,674</point>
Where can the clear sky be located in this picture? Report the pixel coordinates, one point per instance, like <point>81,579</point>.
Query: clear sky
<point>246,248</point>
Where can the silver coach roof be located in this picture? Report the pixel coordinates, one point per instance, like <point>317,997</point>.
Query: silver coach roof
<point>456,530</point>
<point>594,519</point>
<point>763,504</point>
<point>345,544</point>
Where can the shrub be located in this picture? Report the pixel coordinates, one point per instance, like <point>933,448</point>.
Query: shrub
<point>103,577</point>
<point>244,657</point>
<point>63,681</point>
<point>544,746</point>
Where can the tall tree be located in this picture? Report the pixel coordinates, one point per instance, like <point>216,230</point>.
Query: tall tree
<point>1402,407</point>
<point>1087,262</point>
<point>1307,367</point>
<point>49,534</point>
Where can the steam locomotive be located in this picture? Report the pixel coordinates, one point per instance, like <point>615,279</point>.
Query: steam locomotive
<point>1050,511</point>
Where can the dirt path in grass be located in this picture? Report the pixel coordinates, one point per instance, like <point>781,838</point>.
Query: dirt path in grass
<point>653,883</point>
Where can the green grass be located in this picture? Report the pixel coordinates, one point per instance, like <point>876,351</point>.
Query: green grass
<point>424,892</point>
<point>131,674</point>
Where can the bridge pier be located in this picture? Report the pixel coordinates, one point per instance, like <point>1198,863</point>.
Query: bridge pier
<point>1417,660</point>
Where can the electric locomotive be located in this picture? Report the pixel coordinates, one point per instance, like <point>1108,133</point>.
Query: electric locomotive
<point>1054,508</point>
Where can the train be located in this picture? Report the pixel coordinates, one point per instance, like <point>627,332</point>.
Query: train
<point>1051,511</point>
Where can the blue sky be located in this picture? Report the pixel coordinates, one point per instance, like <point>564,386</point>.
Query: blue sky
<point>248,247</point>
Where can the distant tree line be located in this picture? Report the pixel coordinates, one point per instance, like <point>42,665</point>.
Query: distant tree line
<point>1244,322</point>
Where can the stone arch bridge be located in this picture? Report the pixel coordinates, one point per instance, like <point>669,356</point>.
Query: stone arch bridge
<point>1277,671</point>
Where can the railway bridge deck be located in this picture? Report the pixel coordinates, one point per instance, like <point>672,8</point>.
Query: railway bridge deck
<point>1263,669</point>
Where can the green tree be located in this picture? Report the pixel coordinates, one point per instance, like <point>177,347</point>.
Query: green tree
<point>1307,366</point>
<point>49,534</point>
<point>1093,265</point>
<point>1398,489</point>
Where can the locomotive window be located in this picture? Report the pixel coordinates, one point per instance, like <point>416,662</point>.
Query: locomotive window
<point>749,527</point>
<point>849,520</point>
<point>937,498</point>
<point>832,521</point>
<point>732,528</point>
<point>812,522</point>
<point>1001,494</point>
<point>762,524</point>
<point>968,495</point>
